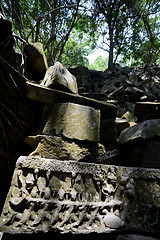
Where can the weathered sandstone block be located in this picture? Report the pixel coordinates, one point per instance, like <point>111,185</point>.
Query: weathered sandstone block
<point>36,61</point>
<point>61,149</point>
<point>72,121</point>
<point>50,195</point>
<point>57,76</point>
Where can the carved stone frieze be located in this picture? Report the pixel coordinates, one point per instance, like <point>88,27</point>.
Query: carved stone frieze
<point>50,195</point>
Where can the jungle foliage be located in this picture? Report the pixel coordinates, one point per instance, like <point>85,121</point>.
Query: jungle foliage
<point>69,29</point>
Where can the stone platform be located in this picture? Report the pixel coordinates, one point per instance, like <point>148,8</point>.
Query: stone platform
<point>70,197</point>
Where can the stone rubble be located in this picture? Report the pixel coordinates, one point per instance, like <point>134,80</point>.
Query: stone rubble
<point>136,92</point>
<point>134,84</point>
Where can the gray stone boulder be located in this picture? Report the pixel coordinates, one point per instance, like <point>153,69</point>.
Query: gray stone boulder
<point>57,76</point>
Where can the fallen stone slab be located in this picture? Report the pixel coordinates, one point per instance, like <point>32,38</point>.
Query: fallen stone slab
<point>69,197</point>
<point>97,96</point>
<point>43,94</point>
<point>145,130</point>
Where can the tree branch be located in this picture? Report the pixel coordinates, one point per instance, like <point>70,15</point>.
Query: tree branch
<point>55,9</point>
<point>71,27</point>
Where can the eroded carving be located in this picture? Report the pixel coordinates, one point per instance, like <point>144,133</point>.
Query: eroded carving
<point>81,198</point>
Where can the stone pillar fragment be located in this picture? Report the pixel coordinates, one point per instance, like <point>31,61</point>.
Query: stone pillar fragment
<point>72,121</point>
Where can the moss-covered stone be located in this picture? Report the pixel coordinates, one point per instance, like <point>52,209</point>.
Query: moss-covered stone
<point>60,149</point>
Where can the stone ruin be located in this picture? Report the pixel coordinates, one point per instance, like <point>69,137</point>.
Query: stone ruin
<point>91,165</point>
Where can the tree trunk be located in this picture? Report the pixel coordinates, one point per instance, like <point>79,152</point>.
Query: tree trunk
<point>110,64</point>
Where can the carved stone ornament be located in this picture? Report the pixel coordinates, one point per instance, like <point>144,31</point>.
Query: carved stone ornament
<point>50,195</point>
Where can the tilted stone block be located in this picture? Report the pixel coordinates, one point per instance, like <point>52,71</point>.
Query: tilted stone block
<point>50,195</point>
<point>148,129</point>
<point>36,61</point>
<point>72,121</point>
<point>44,94</point>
